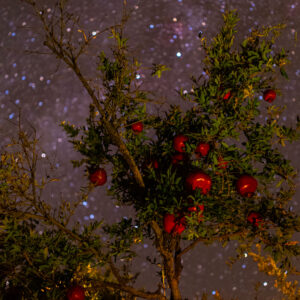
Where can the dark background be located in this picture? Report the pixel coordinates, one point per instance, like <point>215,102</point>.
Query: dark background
<point>49,93</point>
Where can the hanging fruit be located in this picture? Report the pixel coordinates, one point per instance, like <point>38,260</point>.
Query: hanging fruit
<point>269,95</point>
<point>246,185</point>
<point>98,177</point>
<point>137,127</point>
<point>199,209</point>
<point>202,149</point>
<point>174,225</point>
<point>255,219</point>
<point>76,293</point>
<point>227,96</point>
<point>179,142</point>
<point>200,180</point>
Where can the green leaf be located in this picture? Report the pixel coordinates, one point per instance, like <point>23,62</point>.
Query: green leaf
<point>157,69</point>
<point>283,73</point>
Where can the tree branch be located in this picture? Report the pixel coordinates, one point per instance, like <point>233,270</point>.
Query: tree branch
<point>138,293</point>
<point>57,48</point>
<point>200,239</point>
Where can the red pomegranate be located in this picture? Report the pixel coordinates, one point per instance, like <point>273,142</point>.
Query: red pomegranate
<point>98,177</point>
<point>76,293</point>
<point>202,149</point>
<point>227,96</point>
<point>200,180</point>
<point>246,185</point>
<point>174,225</point>
<point>269,95</point>
<point>255,219</point>
<point>179,142</point>
<point>137,127</point>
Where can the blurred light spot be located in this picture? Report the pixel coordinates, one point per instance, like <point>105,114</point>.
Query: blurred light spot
<point>11,115</point>
<point>84,203</point>
<point>178,54</point>
<point>43,155</point>
<point>151,26</point>
<point>23,77</point>
<point>92,216</point>
<point>17,101</point>
<point>174,19</point>
<point>265,283</point>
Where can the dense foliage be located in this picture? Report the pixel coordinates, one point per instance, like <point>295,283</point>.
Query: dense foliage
<point>224,105</point>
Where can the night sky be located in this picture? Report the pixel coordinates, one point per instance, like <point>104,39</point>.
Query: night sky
<point>159,31</point>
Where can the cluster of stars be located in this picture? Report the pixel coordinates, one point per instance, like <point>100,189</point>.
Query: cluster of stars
<point>179,45</point>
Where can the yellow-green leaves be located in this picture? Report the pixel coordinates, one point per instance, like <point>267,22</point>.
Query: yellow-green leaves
<point>157,69</point>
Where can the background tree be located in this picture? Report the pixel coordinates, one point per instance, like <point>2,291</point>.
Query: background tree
<point>185,182</point>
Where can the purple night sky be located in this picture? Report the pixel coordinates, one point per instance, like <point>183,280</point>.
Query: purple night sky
<point>162,32</point>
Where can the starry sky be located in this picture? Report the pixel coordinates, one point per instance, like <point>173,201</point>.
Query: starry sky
<point>159,31</point>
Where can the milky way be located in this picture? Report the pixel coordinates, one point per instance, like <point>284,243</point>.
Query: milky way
<point>159,31</point>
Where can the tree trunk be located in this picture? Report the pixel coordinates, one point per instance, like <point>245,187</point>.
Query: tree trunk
<point>175,292</point>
